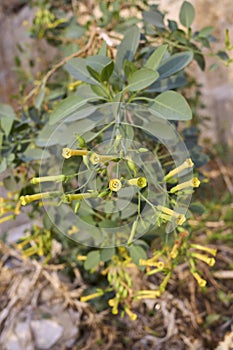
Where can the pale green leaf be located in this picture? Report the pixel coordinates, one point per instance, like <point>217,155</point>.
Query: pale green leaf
<point>174,64</point>
<point>127,48</point>
<point>6,124</point>
<point>187,14</point>
<point>141,79</point>
<point>67,107</point>
<point>156,57</point>
<point>107,253</point>
<point>137,252</point>
<point>93,260</point>
<point>77,68</point>
<point>6,111</point>
<point>172,106</point>
<point>154,17</point>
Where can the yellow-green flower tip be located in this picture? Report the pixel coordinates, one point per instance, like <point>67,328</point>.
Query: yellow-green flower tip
<point>180,219</point>
<point>115,185</point>
<point>66,153</point>
<point>23,200</point>
<point>94,158</point>
<point>34,180</point>
<point>139,182</point>
<point>196,182</point>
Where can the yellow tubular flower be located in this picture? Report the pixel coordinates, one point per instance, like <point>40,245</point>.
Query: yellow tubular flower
<point>148,294</point>
<point>24,200</point>
<point>139,182</point>
<point>191,183</point>
<point>67,152</point>
<point>81,257</point>
<point>85,298</point>
<point>180,218</point>
<point>209,261</point>
<point>206,249</point>
<point>6,218</point>
<point>131,314</point>
<point>200,281</point>
<point>187,164</point>
<point>115,185</point>
<point>56,178</point>
<point>150,262</point>
<point>97,158</point>
<point>79,196</point>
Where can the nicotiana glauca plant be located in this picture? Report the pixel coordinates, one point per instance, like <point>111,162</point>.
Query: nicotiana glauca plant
<point>98,152</point>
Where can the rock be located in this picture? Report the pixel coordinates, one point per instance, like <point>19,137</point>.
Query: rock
<point>46,333</point>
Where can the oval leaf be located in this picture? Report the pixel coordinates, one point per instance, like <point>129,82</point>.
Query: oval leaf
<point>172,106</point>
<point>77,68</point>
<point>98,62</point>
<point>107,71</point>
<point>187,14</point>
<point>141,79</point>
<point>137,252</point>
<point>67,107</point>
<point>154,60</point>
<point>154,17</point>
<point>174,64</point>
<point>93,259</point>
<point>6,111</point>
<point>127,48</point>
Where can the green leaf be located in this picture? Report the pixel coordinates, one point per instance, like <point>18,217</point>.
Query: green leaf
<point>137,252</point>
<point>67,107</point>
<point>98,62</point>
<point>107,253</point>
<point>40,97</point>
<point>197,208</point>
<point>174,64</point>
<point>34,154</point>
<point>103,49</point>
<point>93,73</point>
<point>7,117</point>
<point>107,71</point>
<point>77,68</point>
<point>172,106</point>
<point>100,91</point>
<point>141,79</point>
<point>127,48</point>
<point>154,60</point>
<point>93,260</point>
<point>129,68</point>
<point>171,83</point>
<point>6,124</point>
<point>3,165</point>
<point>154,17</point>
<point>205,32</point>
<point>6,111</point>
<point>10,183</point>
<point>187,14</point>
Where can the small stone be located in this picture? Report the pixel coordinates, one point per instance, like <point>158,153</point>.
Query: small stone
<point>46,333</point>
